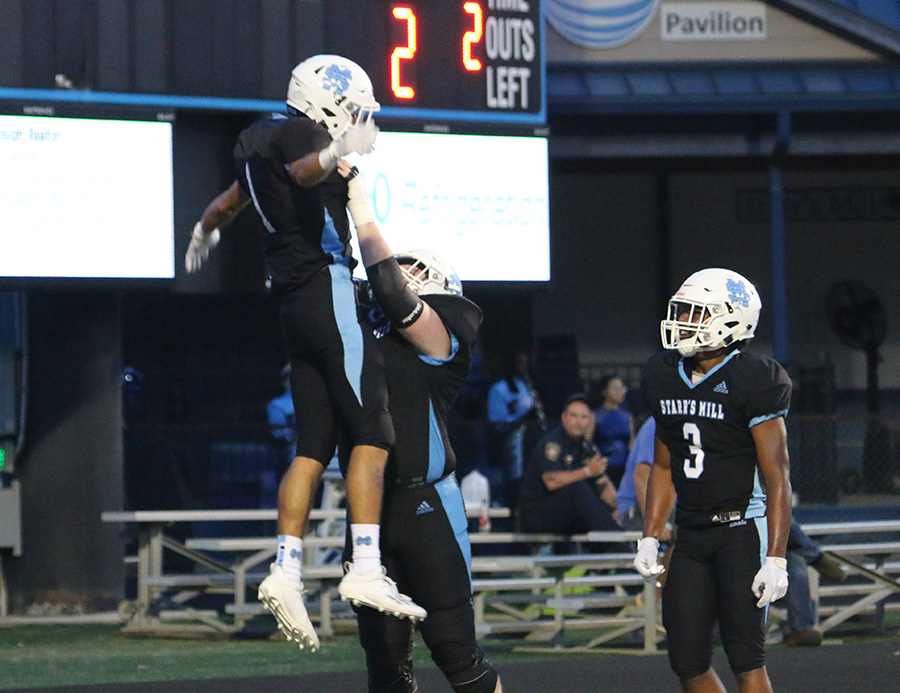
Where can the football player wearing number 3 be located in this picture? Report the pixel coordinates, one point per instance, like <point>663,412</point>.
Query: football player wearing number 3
<point>721,441</point>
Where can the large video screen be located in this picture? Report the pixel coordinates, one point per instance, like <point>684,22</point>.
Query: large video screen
<point>85,198</point>
<point>479,201</point>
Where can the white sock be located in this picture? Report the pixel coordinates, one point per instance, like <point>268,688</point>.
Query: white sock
<point>290,555</point>
<point>366,547</point>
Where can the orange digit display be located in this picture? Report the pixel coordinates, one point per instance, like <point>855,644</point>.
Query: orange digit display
<point>473,36</point>
<point>406,52</point>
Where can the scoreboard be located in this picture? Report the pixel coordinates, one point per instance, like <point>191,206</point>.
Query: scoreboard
<point>447,59</point>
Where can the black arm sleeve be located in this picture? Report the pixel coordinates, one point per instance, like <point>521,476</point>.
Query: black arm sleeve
<point>401,306</point>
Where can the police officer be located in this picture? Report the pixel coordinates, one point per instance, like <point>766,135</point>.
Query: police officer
<point>565,489</point>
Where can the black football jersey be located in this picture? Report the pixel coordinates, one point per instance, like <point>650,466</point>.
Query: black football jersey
<point>307,228</point>
<point>706,427</point>
<point>421,391</point>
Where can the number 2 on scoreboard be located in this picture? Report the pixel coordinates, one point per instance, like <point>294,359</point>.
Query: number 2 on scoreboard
<point>473,36</point>
<point>408,51</point>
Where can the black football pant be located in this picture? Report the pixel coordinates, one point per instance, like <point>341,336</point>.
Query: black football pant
<point>710,579</point>
<point>425,548</point>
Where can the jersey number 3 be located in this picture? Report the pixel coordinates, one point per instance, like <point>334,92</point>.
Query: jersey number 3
<point>693,465</point>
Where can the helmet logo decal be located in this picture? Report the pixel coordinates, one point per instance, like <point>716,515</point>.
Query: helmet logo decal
<point>336,79</point>
<point>737,292</point>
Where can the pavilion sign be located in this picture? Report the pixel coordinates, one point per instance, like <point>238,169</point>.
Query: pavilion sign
<point>712,21</point>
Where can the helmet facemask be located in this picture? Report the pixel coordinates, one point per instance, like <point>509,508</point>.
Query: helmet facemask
<point>425,273</point>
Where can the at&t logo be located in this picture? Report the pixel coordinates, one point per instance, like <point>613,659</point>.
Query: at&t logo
<point>600,24</point>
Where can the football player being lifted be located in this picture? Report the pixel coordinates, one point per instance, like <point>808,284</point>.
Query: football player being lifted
<point>721,442</point>
<point>285,164</point>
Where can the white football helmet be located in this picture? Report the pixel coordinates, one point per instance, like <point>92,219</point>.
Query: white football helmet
<point>426,273</point>
<point>333,91</point>
<point>713,308</point>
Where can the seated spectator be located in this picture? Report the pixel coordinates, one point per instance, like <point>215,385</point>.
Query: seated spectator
<point>614,429</point>
<point>565,489</point>
<point>803,551</point>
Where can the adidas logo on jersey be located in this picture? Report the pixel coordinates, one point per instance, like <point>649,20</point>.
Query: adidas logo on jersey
<point>423,508</point>
<point>721,388</point>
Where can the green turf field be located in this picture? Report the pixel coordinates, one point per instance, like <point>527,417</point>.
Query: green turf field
<point>53,655</point>
<point>33,656</point>
<point>56,655</point>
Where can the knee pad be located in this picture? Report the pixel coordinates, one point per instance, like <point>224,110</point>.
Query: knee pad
<point>743,657</point>
<point>687,665</point>
<point>387,642</point>
<point>472,674</point>
<point>450,635</point>
<point>404,682</point>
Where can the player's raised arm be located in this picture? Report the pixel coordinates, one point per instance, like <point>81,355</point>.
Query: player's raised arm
<point>346,113</point>
<point>415,319</point>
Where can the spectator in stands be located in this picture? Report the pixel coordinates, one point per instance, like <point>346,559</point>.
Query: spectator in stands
<point>801,552</point>
<point>426,330</point>
<point>565,489</point>
<point>282,426</point>
<point>511,404</point>
<point>631,495</point>
<point>614,429</point>
<point>285,165</point>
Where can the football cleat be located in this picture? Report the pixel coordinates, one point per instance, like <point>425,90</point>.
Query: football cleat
<point>284,600</point>
<point>377,591</point>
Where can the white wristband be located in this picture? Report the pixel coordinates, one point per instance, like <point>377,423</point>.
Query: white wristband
<point>358,204</point>
<point>779,562</point>
<point>361,212</point>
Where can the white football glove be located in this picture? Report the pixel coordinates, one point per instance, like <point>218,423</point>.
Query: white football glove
<point>200,245</point>
<point>646,562</point>
<point>771,582</point>
<point>358,201</point>
<point>359,139</point>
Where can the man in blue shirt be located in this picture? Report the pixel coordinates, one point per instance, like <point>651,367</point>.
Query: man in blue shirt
<point>282,424</point>
<point>633,486</point>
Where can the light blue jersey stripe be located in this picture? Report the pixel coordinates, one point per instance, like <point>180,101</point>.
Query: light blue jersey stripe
<point>265,221</point>
<point>454,347</point>
<point>762,529</point>
<point>452,501</point>
<point>343,302</point>
<point>437,456</point>
<point>331,242</point>
<point>687,380</point>
<point>768,417</point>
<point>757,505</point>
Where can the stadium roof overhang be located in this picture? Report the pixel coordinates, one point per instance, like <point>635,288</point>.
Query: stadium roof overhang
<point>690,110</point>
<point>733,108</point>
